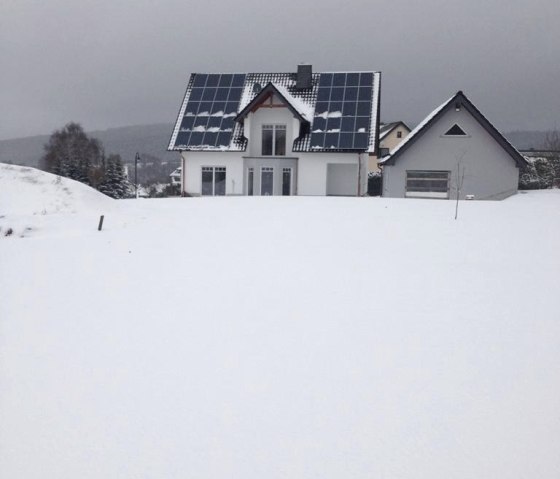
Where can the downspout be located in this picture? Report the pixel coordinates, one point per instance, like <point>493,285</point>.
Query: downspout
<point>359,174</point>
<point>361,163</point>
<point>183,174</point>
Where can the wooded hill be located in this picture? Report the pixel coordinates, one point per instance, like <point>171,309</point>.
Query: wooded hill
<point>152,140</point>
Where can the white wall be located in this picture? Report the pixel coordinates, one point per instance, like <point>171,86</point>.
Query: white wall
<point>265,115</point>
<point>194,161</point>
<point>312,171</point>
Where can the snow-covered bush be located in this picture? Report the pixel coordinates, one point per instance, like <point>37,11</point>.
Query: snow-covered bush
<point>539,174</point>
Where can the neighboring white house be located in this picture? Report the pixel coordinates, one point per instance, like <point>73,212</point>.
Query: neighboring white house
<point>175,176</point>
<point>390,135</point>
<point>454,149</point>
<point>298,133</point>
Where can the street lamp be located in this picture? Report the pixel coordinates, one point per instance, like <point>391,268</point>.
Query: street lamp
<point>136,158</point>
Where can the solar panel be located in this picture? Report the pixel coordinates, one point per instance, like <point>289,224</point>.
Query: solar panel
<point>343,111</point>
<point>211,108</point>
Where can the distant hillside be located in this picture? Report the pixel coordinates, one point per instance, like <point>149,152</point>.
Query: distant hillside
<point>150,140</point>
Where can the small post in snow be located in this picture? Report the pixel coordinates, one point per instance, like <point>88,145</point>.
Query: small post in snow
<point>100,223</point>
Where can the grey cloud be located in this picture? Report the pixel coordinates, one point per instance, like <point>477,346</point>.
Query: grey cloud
<point>111,63</point>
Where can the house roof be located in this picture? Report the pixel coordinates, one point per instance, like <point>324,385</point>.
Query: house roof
<point>215,105</point>
<point>299,108</point>
<point>386,128</point>
<point>458,98</point>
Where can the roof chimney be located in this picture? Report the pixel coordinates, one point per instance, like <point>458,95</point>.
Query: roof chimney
<point>304,72</point>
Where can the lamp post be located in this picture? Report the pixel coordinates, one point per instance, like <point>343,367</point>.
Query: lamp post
<point>136,158</point>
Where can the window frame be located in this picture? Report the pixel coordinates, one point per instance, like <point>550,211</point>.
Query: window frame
<point>450,135</point>
<point>214,170</point>
<point>251,181</point>
<point>427,191</point>
<point>275,128</point>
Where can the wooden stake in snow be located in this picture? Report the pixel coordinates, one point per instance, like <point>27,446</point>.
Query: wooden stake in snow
<point>100,223</point>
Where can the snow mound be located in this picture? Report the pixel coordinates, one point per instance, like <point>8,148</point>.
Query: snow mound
<point>29,191</point>
<point>32,200</point>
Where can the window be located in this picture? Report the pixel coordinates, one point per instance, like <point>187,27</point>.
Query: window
<point>274,140</point>
<point>399,134</point>
<point>286,181</point>
<point>250,181</point>
<point>455,130</point>
<point>267,181</point>
<point>213,181</point>
<point>427,184</point>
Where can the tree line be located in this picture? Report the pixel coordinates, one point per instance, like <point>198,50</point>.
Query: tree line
<point>72,154</point>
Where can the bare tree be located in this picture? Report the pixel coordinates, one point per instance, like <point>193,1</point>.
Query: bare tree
<point>459,180</point>
<point>71,153</point>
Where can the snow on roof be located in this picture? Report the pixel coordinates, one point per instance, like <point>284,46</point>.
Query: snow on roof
<point>421,125</point>
<point>304,109</point>
<point>386,128</point>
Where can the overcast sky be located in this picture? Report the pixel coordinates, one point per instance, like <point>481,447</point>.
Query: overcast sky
<point>107,63</point>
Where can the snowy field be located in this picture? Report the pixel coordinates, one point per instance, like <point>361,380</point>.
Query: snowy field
<point>277,337</point>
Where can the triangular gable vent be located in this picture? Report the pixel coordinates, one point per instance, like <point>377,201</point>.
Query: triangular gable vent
<point>455,130</point>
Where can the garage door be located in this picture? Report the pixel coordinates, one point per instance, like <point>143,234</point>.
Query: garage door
<point>342,179</point>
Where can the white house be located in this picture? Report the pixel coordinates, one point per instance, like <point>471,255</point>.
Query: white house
<point>390,135</point>
<point>298,133</point>
<point>455,149</point>
<point>175,177</point>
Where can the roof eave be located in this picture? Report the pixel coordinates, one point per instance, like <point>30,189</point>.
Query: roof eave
<point>482,120</point>
<point>520,161</point>
<point>268,88</point>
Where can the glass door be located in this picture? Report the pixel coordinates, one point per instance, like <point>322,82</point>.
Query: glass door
<point>286,181</point>
<point>267,181</point>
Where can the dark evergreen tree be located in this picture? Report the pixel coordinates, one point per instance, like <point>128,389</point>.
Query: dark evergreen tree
<point>114,182</point>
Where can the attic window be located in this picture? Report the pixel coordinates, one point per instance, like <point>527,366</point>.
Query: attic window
<point>455,130</point>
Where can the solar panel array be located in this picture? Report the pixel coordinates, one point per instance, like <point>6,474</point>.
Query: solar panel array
<point>343,111</point>
<point>212,106</point>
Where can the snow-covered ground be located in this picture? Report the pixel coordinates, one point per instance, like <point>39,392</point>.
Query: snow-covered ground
<point>279,338</point>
